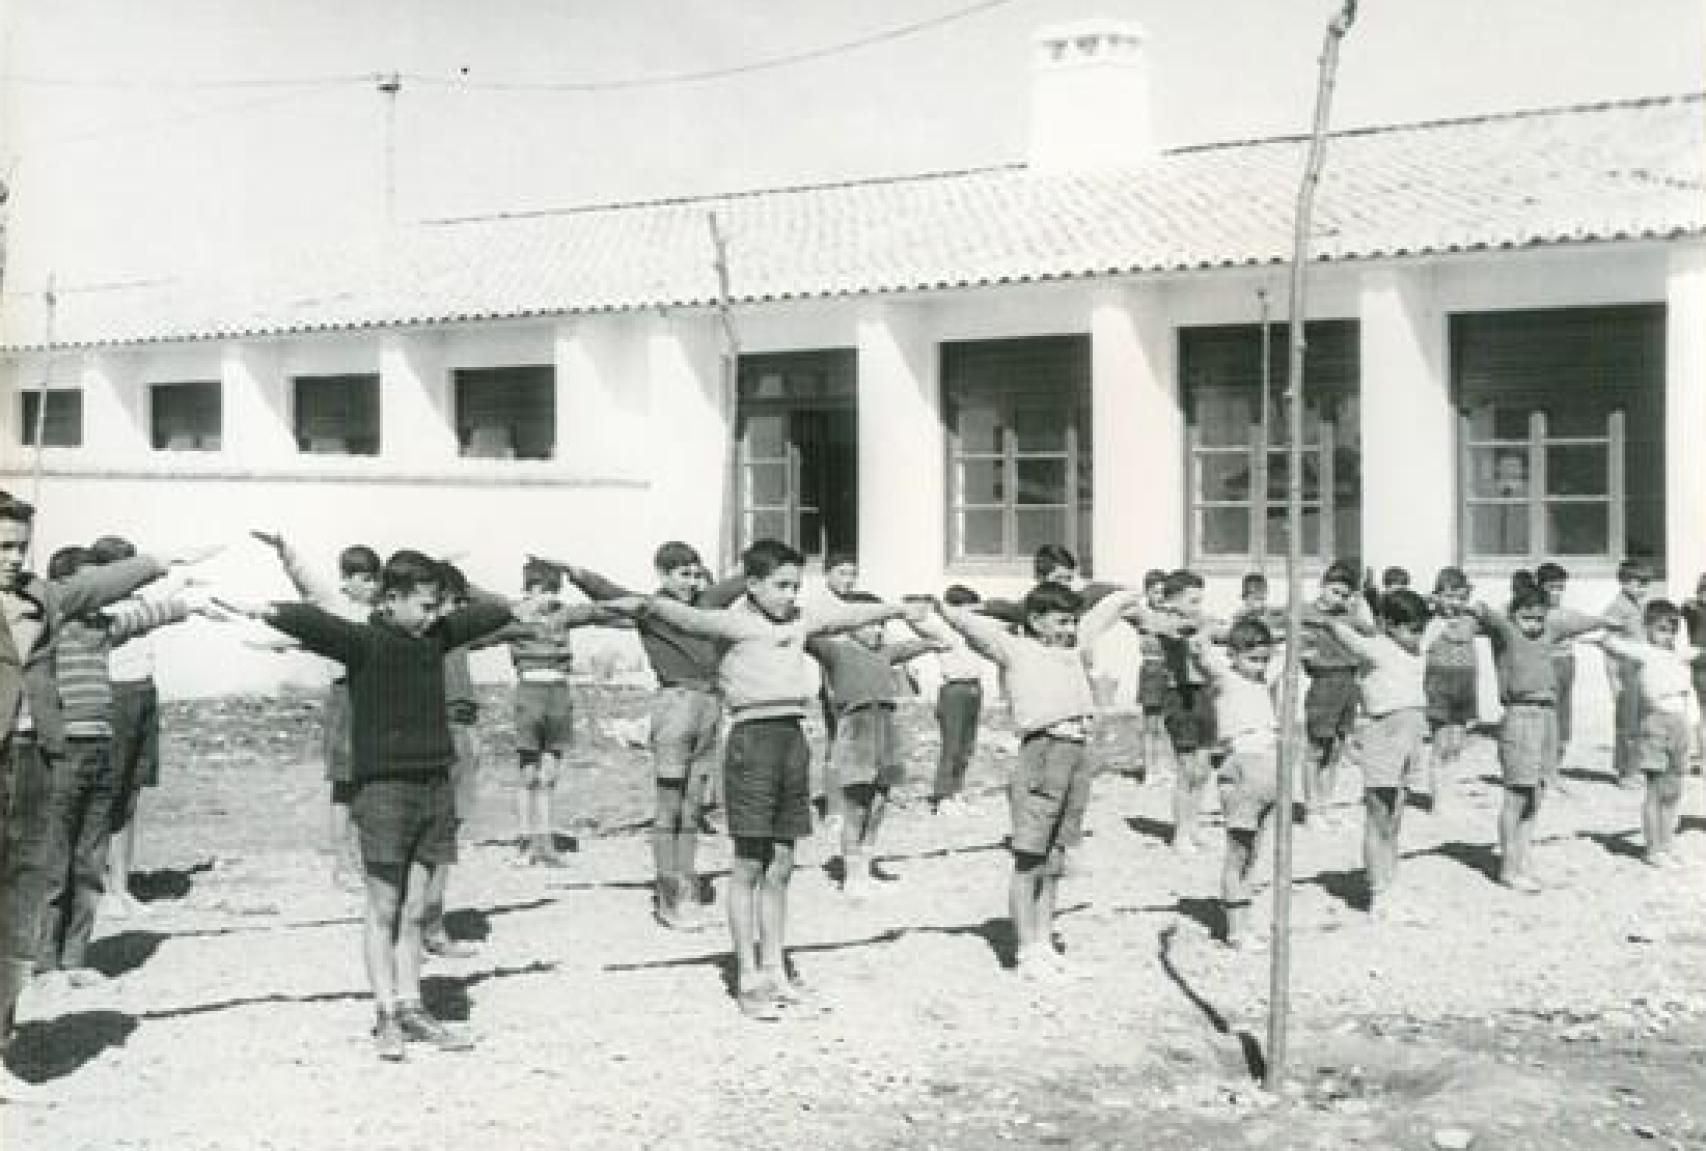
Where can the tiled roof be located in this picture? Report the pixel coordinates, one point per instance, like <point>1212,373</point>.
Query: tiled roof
<point>1605,172</point>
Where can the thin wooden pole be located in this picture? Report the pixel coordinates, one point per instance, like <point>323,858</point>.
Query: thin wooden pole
<point>50,297</point>
<point>1259,478</point>
<point>1279,989</point>
<point>728,543</point>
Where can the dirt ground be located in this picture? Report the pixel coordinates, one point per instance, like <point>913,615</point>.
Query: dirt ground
<point>236,1016</point>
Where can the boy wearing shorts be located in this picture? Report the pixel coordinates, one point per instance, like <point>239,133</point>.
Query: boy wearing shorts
<point>1523,642</point>
<point>959,705</point>
<point>1449,677</point>
<point>1246,746</point>
<point>685,722</point>
<point>400,749</point>
<point>1394,745</point>
<point>1152,680</point>
<point>1662,683</point>
<point>1330,704</point>
<point>1189,718</point>
<point>1552,580</point>
<point>350,598</point>
<point>858,671</point>
<point>1046,672</point>
<point>765,683</point>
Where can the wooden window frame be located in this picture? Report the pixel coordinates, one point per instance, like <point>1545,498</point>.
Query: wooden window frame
<point>214,388</point>
<point>27,416</point>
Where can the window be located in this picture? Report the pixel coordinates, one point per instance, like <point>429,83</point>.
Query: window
<point>507,413</point>
<point>799,449</point>
<point>185,417</point>
<point>337,415</point>
<point>61,424</point>
<point>1561,433</point>
<point>1237,491</point>
<point>1019,467</point>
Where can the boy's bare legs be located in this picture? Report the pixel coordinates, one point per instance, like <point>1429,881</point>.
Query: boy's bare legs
<point>527,784</point>
<point>1383,816</point>
<point>873,824</point>
<point>347,867</point>
<point>855,807</point>
<point>1659,809</point>
<point>1442,765</point>
<point>544,818</point>
<point>1154,743</point>
<point>379,932</point>
<point>406,946</point>
<point>1023,895</point>
<point>1516,831</point>
<point>773,910</point>
<point>121,858</point>
<point>1190,777</point>
<point>687,840</point>
<point>746,877</point>
<point>666,828</point>
<point>1235,873</point>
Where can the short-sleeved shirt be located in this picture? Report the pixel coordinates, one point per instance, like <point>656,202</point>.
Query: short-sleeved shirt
<point>1045,685</point>
<point>1394,677</point>
<point>1525,667</point>
<point>1244,718</point>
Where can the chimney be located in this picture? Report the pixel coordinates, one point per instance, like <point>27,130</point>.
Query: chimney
<point>1089,97</point>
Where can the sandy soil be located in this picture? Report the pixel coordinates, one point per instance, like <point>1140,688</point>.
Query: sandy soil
<point>236,1017</point>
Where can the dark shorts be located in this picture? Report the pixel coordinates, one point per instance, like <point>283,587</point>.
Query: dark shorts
<point>1049,793</point>
<point>1528,743</point>
<point>1190,717</point>
<point>1451,696</point>
<point>766,780</point>
<point>1564,670</point>
<point>685,723</point>
<point>335,736</point>
<point>404,821</point>
<point>1664,743</point>
<point>867,748</point>
<point>1392,750</point>
<point>1249,788</point>
<point>544,716</point>
<point>1153,684</point>
<point>1330,705</point>
<point>465,771</point>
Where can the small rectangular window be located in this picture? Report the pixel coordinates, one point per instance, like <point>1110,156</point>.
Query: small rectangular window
<point>61,424</point>
<point>337,415</point>
<point>185,417</point>
<point>507,413</point>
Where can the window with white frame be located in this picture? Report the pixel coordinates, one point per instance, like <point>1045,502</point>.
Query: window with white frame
<point>1236,488</point>
<point>61,423</point>
<point>337,415</point>
<point>185,417</point>
<point>1561,433</point>
<point>507,413</point>
<point>1019,459</point>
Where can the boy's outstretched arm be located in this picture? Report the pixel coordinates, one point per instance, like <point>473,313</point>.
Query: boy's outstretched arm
<point>711,624</point>
<point>467,624</point>
<point>852,616</point>
<point>986,635</point>
<point>1109,610</point>
<point>313,586</point>
<point>316,629</point>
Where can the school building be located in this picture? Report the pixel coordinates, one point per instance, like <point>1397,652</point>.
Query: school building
<point>1506,363</point>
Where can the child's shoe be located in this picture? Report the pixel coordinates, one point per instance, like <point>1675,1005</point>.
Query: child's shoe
<point>1524,883</point>
<point>439,945</point>
<point>419,1027</point>
<point>388,1037</point>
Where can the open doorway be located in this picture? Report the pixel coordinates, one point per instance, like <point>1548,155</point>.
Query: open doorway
<point>798,459</point>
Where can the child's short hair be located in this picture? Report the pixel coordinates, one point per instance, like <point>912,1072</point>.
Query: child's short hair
<point>1660,611</point>
<point>959,595</point>
<point>408,571</point>
<point>1248,634</point>
<point>1634,571</point>
<point>1341,572</point>
<point>1550,572</point>
<point>537,574</point>
<point>111,549</point>
<point>1450,579</point>
<point>1052,597</point>
<point>1154,578</point>
<point>455,584</point>
<point>358,559</point>
<point>764,556</point>
<point>674,555</point>
<point>1253,582</point>
<point>1402,607</point>
<point>1052,556</point>
<point>1395,577</point>
<point>1522,579</point>
<point>17,510</point>
<point>67,561</point>
<point>840,557</point>
<point>1180,581</point>
<point>1528,599</point>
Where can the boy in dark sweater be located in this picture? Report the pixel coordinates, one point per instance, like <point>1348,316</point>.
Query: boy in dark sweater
<point>400,753</point>
<point>1330,704</point>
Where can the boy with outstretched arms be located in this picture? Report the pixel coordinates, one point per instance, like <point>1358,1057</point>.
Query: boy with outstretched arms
<point>858,672</point>
<point>685,720</point>
<point>1190,707</point>
<point>1624,616</point>
<point>1523,641</point>
<point>1661,681</point>
<point>1046,673</point>
<point>1552,580</point>
<point>1449,677</point>
<point>765,683</point>
<point>1152,679</point>
<point>83,791</point>
<point>959,704</point>
<point>1393,748</point>
<point>1330,704</point>
<point>401,753</point>
<point>350,597</point>
<point>1244,756</point>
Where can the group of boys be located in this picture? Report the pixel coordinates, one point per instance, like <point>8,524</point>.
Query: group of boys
<point>734,669</point>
